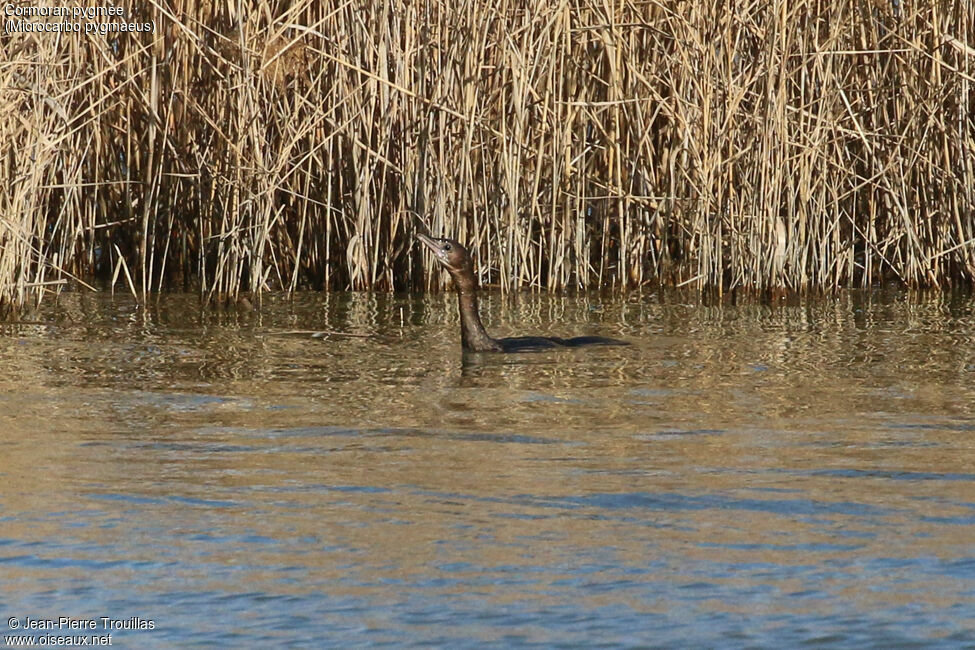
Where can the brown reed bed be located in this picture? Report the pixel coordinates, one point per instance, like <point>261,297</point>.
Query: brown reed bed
<point>244,147</point>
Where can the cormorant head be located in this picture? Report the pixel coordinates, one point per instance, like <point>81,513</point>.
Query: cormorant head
<point>450,254</point>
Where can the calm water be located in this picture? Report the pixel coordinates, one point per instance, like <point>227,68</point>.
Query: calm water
<point>740,476</point>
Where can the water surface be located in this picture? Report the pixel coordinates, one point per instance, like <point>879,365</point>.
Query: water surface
<point>757,475</point>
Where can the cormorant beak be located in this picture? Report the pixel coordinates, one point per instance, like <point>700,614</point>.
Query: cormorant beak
<point>434,247</point>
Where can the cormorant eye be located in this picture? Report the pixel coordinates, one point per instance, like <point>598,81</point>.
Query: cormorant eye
<point>446,247</point>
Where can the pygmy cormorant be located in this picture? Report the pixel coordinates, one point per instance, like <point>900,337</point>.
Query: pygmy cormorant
<point>457,261</point>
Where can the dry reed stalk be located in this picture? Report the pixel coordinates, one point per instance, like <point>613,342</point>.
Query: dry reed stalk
<point>276,146</point>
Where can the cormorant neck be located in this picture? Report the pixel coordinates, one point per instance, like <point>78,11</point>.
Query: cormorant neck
<point>473,335</point>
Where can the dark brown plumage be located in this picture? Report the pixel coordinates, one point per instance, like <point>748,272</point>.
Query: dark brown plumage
<point>453,257</point>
